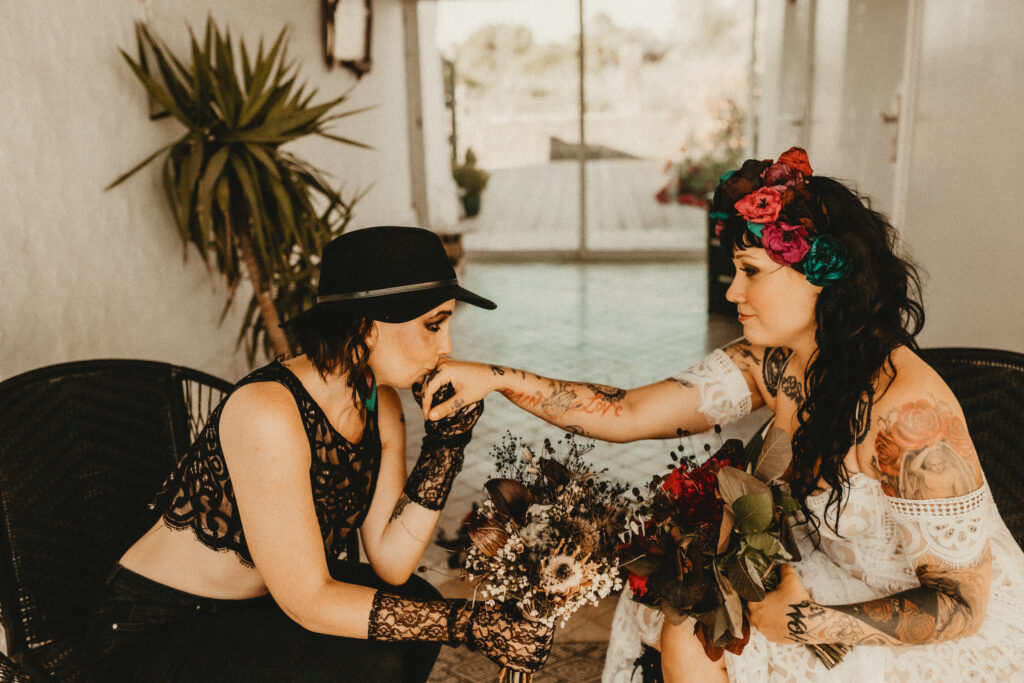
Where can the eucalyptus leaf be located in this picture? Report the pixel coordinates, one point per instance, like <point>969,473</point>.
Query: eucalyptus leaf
<point>776,455</point>
<point>767,544</point>
<point>732,603</point>
<point>733,483</point>
<point>753,512</point>
<point>725,531</point>
<point>746,583</point>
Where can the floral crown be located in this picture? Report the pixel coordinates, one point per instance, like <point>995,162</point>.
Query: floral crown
<point>774,200</point>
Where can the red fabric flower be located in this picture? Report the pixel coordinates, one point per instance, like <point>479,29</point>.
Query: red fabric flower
<point>796,157</point>
<point>762,206</point>
<point>786,244</point>
<point>637,584</point>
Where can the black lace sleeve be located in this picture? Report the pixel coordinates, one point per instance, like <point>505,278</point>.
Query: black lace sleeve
<point>498,631</point>
<point>442,452</point>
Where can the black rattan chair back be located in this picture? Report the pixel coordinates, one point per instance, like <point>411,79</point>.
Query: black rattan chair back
<point>989,384</point>
<point>83,448</point>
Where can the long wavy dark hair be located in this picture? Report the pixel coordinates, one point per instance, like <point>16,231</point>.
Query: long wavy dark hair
<point>335,342</point>
<point>860,320</point>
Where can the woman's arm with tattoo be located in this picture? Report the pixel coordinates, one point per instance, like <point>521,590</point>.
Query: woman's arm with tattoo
<point>599,411</point>
<point>922,452</point>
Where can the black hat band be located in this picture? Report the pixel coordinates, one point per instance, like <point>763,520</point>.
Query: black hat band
<point>401,289</point>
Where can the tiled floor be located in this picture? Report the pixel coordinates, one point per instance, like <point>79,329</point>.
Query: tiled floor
<point>617,324</point>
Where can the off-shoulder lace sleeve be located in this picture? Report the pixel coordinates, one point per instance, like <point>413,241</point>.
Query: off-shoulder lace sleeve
<point>953,530</point>
<point>724,394</point>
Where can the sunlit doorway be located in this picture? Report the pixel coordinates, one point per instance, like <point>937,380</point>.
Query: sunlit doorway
<point>614,153</point>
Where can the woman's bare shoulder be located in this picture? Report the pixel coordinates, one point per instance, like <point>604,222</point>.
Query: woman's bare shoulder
<point>918,443</point>
<point>261,410</point>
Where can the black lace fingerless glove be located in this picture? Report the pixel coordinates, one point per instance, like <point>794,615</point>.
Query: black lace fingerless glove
<point>498,631</point>
<point>443,448</point>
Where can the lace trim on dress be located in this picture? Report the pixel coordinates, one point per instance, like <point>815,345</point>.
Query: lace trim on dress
<point>954,530</point>
<point>724,394</point>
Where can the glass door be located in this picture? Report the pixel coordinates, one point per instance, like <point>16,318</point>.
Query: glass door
<point>614,152</point>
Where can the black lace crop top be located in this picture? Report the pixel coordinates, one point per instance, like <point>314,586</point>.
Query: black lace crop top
<point>343,475</point>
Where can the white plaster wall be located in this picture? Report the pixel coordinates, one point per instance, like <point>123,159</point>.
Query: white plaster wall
<point>86,273</point>
<point>965,208</point>
<point>441,191</point>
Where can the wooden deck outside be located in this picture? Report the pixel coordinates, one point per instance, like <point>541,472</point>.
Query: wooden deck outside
<point>537,208</point>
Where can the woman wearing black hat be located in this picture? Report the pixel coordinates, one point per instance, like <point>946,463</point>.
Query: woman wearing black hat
<point>239,579</point>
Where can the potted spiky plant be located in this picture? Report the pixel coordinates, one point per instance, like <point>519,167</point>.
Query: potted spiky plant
<point>235,192</point>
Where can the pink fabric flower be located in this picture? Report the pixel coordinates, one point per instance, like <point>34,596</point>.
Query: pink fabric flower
<point>782,174</point>
<point>786,244</point>
<point>762,206</point>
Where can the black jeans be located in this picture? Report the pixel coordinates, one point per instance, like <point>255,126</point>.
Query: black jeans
<point>148,632</point>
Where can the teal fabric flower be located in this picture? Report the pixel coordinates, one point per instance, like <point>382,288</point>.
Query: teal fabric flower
<point>826,261</point>
<point>755,228</point>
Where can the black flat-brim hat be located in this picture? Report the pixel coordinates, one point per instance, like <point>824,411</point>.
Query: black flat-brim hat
<point>387,273</point>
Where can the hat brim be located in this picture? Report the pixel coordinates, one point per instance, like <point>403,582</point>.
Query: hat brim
<point>398,308</point>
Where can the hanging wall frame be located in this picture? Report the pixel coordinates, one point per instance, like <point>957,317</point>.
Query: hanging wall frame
<point>347,30</point>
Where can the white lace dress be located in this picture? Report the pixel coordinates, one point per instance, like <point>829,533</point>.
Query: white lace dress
<point>881,538</point>
<point>873,559</point>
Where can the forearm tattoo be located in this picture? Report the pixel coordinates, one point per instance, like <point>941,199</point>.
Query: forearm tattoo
<point>564,398</point>
<point>922,450</point>
<point>936,611</point>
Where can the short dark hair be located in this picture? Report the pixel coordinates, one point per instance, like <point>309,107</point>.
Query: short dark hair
<point>335,343</point>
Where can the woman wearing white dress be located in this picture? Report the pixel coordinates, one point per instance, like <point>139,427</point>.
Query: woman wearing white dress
<point>907,560</point>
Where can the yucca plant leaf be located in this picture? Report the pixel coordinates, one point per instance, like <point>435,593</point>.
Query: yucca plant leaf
<point>201,80</point>
<point>260,77</point>
<point>204,194</point>
<point>188,174</point>
<point>338,138</point>
<point>346,113</point>
<point>257,214</point>
<point>169,185</point>
<point>263,157</point>
<point>246,68</point>
<point>124,176</point>
<point>178,91</point>
<point>153,87</point>
<point>227,178</point>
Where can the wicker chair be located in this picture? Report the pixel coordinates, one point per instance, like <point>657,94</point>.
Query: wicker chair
<point>83,448</point>
<point>989,384</point>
